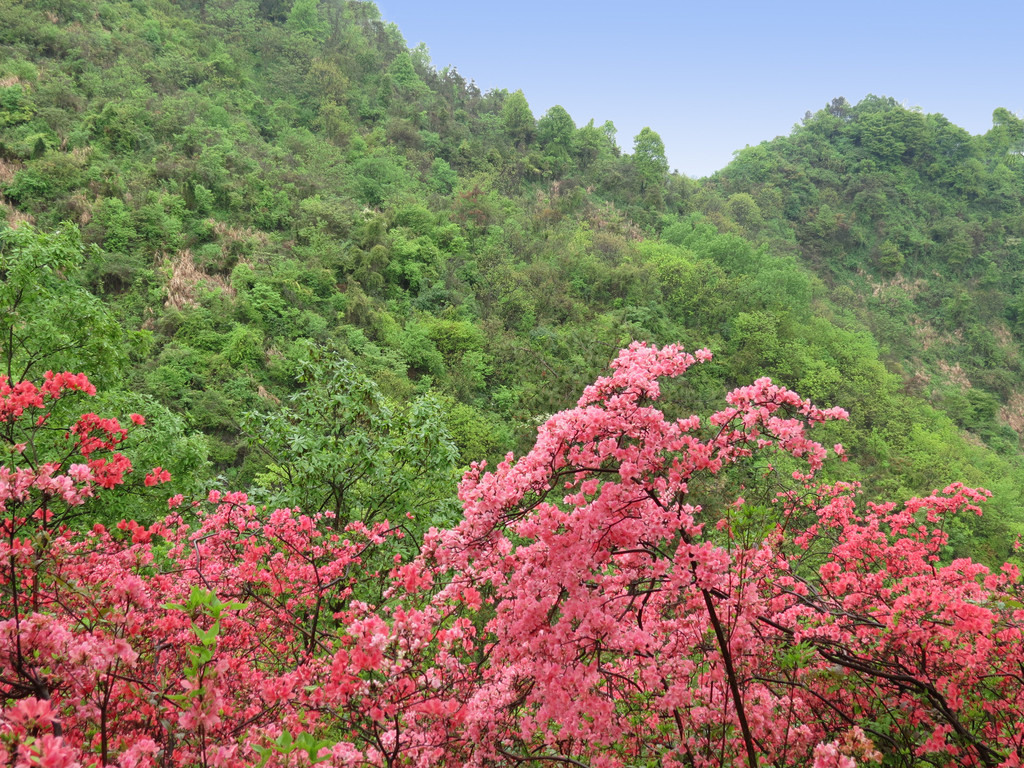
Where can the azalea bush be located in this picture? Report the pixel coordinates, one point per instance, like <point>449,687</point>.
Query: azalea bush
<point>224,634</point>
<point>609,599</point>
<point>634,623</point>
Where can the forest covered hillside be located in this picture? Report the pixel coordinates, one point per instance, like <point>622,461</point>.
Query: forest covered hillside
<point>244,199</point>
<point>271,283</point>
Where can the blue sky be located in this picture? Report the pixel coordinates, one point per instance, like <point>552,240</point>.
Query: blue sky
<point>711,78</point>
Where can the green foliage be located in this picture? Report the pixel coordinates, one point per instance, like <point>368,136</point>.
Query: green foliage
<point>890,261</point>
<point>588,144</point>
<point>556,130</point>
<point>16,106</point>
<point>441,178</point>
<point>339,445</point>
<point>479,436</point>
<point>403,76</point>
<point>649,159</point>
<point>49,320</point>
<point>244,347</point>
<point>517,119</point>
<point>304,20</point>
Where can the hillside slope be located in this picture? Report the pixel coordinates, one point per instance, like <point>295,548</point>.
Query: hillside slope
<point>261,179</point>
<point>918,228</point>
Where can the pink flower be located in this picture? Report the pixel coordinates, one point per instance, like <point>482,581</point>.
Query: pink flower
<point>31,713</point>
<point>829,756</point>
<point>80,472</point>
<point>157,476</point>
<point>49,751</point>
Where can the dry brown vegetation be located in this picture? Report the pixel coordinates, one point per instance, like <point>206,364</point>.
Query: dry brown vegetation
<point>186,277</point>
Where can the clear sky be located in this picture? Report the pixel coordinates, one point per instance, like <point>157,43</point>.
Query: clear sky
<point>712,77</point>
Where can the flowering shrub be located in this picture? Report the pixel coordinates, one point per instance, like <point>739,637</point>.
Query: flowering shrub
<point>633,625</point>
<point>607,600</point>
<point>229,639</point>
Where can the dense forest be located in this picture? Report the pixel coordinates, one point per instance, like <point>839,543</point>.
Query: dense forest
<point>323,272</point>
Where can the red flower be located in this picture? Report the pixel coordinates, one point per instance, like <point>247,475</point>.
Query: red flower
<point>157,476</point>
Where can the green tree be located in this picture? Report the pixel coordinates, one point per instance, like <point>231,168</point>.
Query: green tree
<point>649,159</point>
<point>404,77</point>
<point>304,19</point>
<point>49,321</point>
<point>610,132</point>
<point>517,119</point>
<point>339,445</point>
<point>587,144</point>
<point>441,178</point>
<point>556,129</point>
<point>890,261</point>
<point>1007,133</point>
